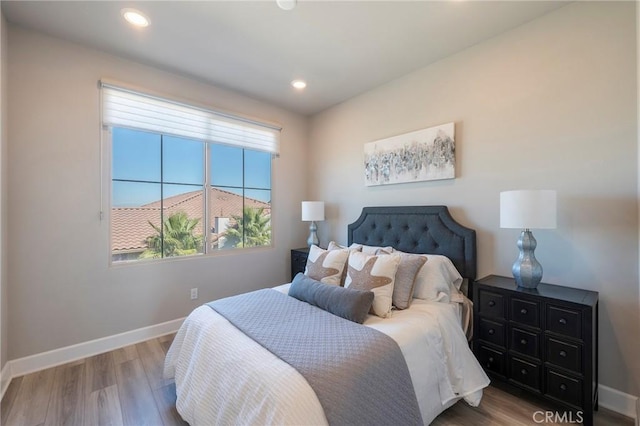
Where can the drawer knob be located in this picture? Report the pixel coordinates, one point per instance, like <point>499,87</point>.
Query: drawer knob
<point>562,321</point>
<point>563,387</point>
<point>489,363</point>
<point>523,311</point>
<point>492,331</point>
<point>523,372</point>
<point>492,303</point>
<point>523,341</point>
<point>563,354</point>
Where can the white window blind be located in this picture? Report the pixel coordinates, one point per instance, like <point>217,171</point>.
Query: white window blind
<point>127,108</point>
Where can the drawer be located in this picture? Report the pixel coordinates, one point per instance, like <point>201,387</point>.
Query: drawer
<point>526,373</point>
<point>525,342</point>
<point>492,360</point>
<point>491,304</point>
<point>299,259</point>
<point>298,262</point>
<point>564,354</point>
<point>564,388</point>
<point>492,332</point>
<point>525,312</point>
<point>564,321</point>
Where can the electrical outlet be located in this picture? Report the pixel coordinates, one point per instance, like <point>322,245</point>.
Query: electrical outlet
<point>194,293</point>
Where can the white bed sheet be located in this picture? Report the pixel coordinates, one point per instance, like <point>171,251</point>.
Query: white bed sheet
<point>224,377</point>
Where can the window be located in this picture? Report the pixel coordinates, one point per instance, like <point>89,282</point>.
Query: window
<point>173,195</point>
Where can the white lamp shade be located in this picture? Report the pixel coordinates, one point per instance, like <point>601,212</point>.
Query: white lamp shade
<point>286,4</point>
<point>312,210</point>
<point>528,209</point>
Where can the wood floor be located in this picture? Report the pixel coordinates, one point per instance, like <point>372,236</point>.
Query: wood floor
<point>509,408</point>
<point>125,387</point>
<point>121,387</point>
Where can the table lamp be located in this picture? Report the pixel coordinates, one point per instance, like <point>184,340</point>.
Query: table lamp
<point>527,209</point>
<point>312,211</point>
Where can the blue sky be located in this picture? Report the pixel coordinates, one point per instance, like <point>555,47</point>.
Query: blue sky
<point>136,155</point>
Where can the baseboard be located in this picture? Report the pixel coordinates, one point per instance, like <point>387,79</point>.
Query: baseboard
<point>5,378</point>
<point>21,366</point>
<point>619,402</point>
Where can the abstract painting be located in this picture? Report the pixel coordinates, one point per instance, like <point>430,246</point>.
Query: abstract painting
<point>427,154</point>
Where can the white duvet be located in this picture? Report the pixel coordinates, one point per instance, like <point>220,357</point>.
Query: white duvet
<point>224,377</point>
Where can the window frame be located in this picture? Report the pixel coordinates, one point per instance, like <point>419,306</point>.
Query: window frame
<point>207,250</point>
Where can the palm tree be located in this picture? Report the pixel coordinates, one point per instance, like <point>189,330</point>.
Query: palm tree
<point>253,229</point>
<point>175,238</point>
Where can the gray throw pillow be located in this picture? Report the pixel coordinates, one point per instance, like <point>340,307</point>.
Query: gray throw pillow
<point>410,265</point>
<point>344,302</point>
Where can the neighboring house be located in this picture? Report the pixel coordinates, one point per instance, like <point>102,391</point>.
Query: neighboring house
<point>130,225</point>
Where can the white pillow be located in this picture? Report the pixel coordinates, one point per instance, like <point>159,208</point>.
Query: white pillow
<point>335,246</point>
<point>437,279</point>
<point>370,249</point>
<point>326,265</point>
<point>376,274</point>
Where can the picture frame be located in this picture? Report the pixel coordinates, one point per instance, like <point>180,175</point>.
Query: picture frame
<point>422,155</point>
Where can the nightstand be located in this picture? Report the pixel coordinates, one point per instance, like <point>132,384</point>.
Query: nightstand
<point>298,260</point>
<point>543,340</point>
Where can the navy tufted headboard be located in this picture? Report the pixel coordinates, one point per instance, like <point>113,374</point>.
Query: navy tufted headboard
<point>418,229</point>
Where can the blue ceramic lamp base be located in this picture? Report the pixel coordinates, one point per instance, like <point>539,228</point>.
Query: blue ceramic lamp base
<point>313,235</point>
<point>527,270</point>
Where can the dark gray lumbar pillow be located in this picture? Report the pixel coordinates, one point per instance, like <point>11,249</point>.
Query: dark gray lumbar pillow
<point>344,302</point>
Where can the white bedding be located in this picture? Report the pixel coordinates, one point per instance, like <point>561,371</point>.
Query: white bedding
<point>224,377</point>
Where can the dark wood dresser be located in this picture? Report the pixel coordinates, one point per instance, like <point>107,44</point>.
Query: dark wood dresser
<point>542,340</point>
<point>298,260</point>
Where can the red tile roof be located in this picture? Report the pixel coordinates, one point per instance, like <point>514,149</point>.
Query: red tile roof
<point>130,225</point>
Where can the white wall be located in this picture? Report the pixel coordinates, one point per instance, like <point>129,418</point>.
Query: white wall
<point>4,330</point>
<point>62,290</point>
<point>549,105</point>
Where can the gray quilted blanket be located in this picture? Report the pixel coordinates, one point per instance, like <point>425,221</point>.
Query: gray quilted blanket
<point>358,373</point>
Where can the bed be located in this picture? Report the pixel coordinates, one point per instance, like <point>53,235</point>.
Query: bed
<point>223,376</point>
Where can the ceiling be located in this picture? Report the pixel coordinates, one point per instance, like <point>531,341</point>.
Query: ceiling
<point>340,48</point>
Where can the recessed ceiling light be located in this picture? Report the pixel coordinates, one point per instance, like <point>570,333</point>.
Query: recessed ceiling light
<point>299,84</point>
<point>135,17</point>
